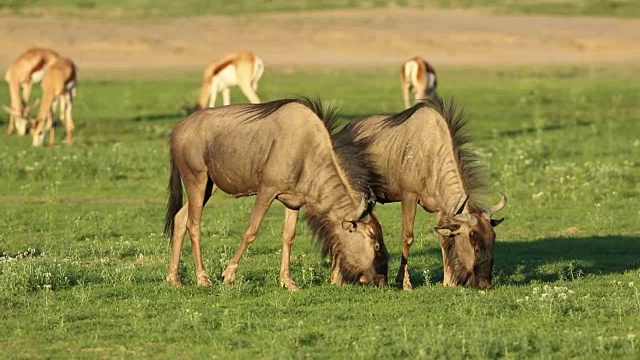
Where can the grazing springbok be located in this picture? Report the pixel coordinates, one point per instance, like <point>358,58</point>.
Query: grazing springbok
<point>242,69</point>
<point>280,150</point>
<point>419,77</point>
<point>421,157</point>
<point>58,88</point>
<point>28,69</point>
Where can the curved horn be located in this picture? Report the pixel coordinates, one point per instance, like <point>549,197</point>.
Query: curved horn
<point>460,204</point>
<point>467,218</point>
<point>497,207</point>
<point>8,109</point>
<point>28,108</point>
<point>357,215</point>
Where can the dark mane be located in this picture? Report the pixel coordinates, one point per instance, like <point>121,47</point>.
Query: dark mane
<point>458,269</point>
<point>329,115</point>
<point>471,170</point>
<point>356,161</point>
<point>352,156</point>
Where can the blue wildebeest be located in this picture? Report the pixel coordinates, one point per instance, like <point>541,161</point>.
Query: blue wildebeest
<point>421,157</point>
<point>280,150</point>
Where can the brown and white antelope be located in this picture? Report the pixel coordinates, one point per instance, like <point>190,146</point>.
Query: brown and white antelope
<point>29,68</point>
<point>242,69</point>
<point>281,150</point>
<point>418,77</point>
<point>421,157</point>
<point>58,90</point>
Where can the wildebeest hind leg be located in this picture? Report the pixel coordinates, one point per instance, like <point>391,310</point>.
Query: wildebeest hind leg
<point>262,204</point>
<point>289,232</point>
<point>409,204</point>
<point>180,227</point>
<point>199,188</point>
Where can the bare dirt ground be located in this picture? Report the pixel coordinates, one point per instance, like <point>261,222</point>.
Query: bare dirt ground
<point>376,37</point>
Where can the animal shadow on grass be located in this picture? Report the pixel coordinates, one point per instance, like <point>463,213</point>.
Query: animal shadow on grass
<point>531,130</point>
<point>552,259</point>
<point>157,117</point>
<point>543,260</point>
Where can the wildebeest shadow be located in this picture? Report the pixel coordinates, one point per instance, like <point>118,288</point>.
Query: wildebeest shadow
<point>157,117</point>
<point>530,130</point>
<point>548,259</point>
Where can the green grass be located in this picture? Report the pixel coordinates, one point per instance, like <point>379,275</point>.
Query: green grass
<point>162,9</point>
<point>85,264</point>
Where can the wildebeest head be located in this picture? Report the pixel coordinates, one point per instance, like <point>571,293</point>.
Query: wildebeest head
<point>361,253</point>
<point>467,242</point>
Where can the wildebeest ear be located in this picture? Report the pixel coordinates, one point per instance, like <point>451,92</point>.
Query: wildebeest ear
<point>349,225</point>
<point>496,222</point>
<point>448,230</point>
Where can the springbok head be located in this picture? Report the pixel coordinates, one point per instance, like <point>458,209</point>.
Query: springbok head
<point>361,253</point>
<point>22,119</point>
<point>466,240</point>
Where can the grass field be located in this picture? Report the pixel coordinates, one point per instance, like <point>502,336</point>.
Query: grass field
<point>165,8</point>
<point>85,265</point>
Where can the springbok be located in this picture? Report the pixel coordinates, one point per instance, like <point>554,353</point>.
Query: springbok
<point>58,88</point>
<point>419,77</point>
<point>242,69</point>
<point>280,150</point>
<point>28,69</point>
<point>421,157</point>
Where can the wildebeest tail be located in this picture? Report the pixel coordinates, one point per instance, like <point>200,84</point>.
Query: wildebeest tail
<point>174,199</point>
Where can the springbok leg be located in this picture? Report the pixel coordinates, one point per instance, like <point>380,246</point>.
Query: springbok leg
<point>69,124</point>
<point>49,124</point>
<point>289,232</point>
<point>16,108</point>
<point>262,204</point>
<point>405,94</point>
<point>245,73</point>
<point>226,96</point>
<point>213,92</point>
<point>26,92</point>
<point>247,90</point>
<point>409,204</point>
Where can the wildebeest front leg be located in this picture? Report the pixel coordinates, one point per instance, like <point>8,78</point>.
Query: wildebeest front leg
<point>289,232</point>
<point>263,202</point>
<point>409,204</point>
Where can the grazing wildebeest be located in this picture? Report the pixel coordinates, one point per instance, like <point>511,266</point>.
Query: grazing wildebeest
<point>420,156</point>
<point>278,150</point>
<point>419,77</point>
